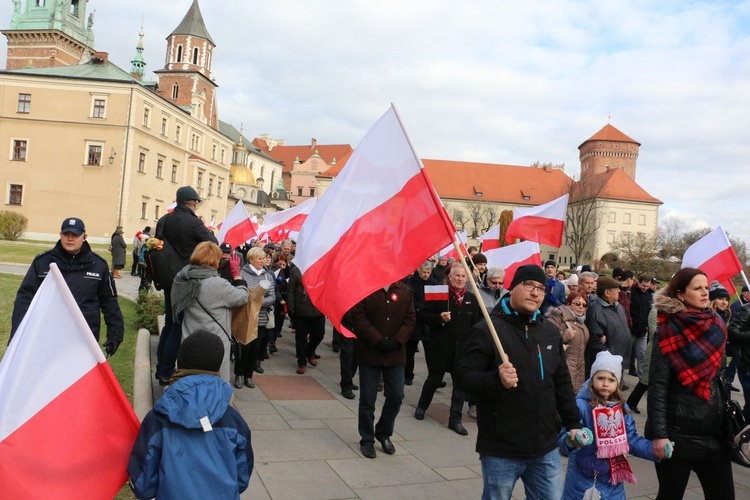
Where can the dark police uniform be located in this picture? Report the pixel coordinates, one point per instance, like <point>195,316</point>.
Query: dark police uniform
<point>88,278</point>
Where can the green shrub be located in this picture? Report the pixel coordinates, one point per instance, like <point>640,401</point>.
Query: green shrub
<point>147,308</point>
<point>12,225</point>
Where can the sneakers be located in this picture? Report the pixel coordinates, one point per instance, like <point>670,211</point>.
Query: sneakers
<point>301,370</point>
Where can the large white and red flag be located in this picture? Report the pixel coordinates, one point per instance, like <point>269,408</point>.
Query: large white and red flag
<point>66,427</point>
<point>379,220</point>
<point>279,225</point>
<point>713,254</point>
<point>237,228</point>
<point>491,239</point>
<point>543,224</point>
<point>171,207</point>
<point>450,250</point>
<point>211,224</point>
<point>511,257</point>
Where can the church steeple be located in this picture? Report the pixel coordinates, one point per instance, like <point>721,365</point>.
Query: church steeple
<point>137,70</point>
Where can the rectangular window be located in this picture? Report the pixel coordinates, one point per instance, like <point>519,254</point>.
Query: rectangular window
<point>299,191</point>
<point>199,183</point>
<point>156,212</point>
<point>223,152</point>
<point>213,152</point>
<point>144,207</point>
<point>218,188</point>
<point>94,156</point>
<point>642,220</point>
<point>163,126</point>
<point>177,130</point>
<point>626,237</point>
<point>174,172</point>
<point>612,217</point>
<point>24,103</point>
<point>210,186</point>
<point>100,105</point>
<point>611,237</point>
<point>626,218</point>
<point>19,150</point>
<point>159,168</point>
<point>142,162</point>
<point>15,194</point>
<point>146,117</point>
<point>312,191</point>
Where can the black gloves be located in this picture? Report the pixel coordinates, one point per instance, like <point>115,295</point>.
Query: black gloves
<point>110,346</point>
<point>387,345</point>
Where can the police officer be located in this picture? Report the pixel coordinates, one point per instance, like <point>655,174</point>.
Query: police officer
<point>87,276</point>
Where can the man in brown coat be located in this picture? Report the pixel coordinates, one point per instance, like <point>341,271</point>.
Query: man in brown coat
<point>382,322</point>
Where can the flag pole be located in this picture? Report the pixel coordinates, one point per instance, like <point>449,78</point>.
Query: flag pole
<point>452,231</point>
<point>744,278</point>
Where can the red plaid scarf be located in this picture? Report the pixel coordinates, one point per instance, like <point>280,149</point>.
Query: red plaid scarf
<point>694,343</point>
<point>458,295</point>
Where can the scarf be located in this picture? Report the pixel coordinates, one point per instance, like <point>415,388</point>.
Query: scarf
<point>694,344</point>
<point>184,372</point>
<point>187,284</point>
<point>612,442</point>
<point>581,319</point>
<point>458,295</point>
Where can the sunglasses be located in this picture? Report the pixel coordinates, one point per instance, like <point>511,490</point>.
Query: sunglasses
<point>496,283</point>
<point>579,304</point>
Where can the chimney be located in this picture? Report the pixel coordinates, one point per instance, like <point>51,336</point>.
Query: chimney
<point>100,57</point>
<point>313,142</point>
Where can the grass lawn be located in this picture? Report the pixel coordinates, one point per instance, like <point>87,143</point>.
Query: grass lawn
<point>121,362</point>
<point>23,251</point>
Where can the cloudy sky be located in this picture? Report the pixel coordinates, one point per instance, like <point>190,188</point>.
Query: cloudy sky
<point>486,80</point>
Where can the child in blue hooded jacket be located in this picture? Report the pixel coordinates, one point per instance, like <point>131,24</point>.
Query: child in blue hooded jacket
<point>599,462</point>
<point>193,444</point>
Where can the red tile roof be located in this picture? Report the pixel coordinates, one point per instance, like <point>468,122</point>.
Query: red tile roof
<point>616,185</point>
<point>287,154</point>
<point>610,133</point>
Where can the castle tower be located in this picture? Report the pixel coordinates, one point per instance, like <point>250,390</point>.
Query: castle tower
<point>47,33</point>
<point>607,149</point>
<point>138,65</point>
<point>186,77</point>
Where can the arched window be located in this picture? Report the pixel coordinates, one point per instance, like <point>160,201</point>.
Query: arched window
<point>179,53</point>
<point>175,91</point>
<point>195,55</point>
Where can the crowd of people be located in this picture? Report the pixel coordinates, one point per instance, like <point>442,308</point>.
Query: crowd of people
<point>556,389</point>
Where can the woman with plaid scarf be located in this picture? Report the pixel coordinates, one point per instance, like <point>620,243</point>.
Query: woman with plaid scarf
<point>684,405</point>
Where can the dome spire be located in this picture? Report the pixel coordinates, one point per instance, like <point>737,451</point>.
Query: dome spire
<point>138,64</point>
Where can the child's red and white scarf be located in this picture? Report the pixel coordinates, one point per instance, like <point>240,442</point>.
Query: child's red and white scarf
<point>612,442</point>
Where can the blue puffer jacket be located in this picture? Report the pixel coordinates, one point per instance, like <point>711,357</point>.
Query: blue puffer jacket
<point>583,462</point>
<point>174,457</point>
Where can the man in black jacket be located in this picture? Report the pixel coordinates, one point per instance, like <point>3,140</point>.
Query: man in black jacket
<point>183,230</point>
<point>641,299</point>
<point>87,276</point>
<point>519,400</point>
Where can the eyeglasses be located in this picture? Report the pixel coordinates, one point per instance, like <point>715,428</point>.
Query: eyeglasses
<point>529,286</point>
<point>496,283</point>
<point>579,304</point>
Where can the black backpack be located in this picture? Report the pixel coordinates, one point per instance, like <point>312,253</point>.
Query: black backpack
<point>163,265</point>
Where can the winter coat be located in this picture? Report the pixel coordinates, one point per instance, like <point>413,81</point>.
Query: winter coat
<point>379,316</point>
<point>416,285</point>
<point>555,295</point>
<point>739,335</point>
<point>583,462</point>
<point>575,336</point>
<point>604,319</point>
<point>175,457</point>
<point>269,297</point>
<point>87,276</point>
<point>445,338</point>
<point>490,296</point>
<point>640,306</point>
<point>439,274</point>
<point>649,346</point>
<point>624,300</point>
<point>183,230</point>
<point>522,421</point>
<point>298,301</point>
<point>217,297</point>
<point>675,411</point>
<point>118,251</point>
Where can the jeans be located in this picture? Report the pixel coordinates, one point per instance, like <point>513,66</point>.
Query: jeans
<point>639,350</point>
<point>542,476</point>
<point>393,384</point>
<point>315,328</point>
<point>169,340</point>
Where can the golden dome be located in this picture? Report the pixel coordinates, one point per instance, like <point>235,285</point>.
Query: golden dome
<point>242,175</point>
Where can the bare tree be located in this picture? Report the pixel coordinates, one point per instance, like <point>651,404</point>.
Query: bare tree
<point>460,219</point>
<point>637,251</point>
<point>670,233</point>
<point>476,213</point>
<point>491,217</point>
<point>584,216</point>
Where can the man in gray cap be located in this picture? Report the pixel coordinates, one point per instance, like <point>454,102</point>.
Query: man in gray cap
<point>518,401</point>
<point>183,230</point>
<point>87,276</point>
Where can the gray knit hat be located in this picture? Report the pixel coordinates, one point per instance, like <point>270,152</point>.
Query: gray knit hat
<point>608,362</point>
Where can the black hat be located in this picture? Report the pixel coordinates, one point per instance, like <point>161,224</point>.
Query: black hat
<point>201,350</point>
<point>187,193</point>
<point>147,229</point>
<point>226,247</point>
<point>617,273</point>
<point>479,259</point>
<point>529,272</point>
<point>745,289</point>
<point>585,268</point>
<point>716,291</point>
<point>626,274</point>
<point>73,225</point>
<point>550,263</point>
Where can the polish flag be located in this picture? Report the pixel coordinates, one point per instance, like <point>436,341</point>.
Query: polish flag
<point>237,228</point>
<point>713,254</point>
<point>543,224</point>
<point>66,427</point>
<point>511,257</point>
<point>278,226</point>
<point>211,224</point>
<point>491,239</point>
<point>450,251</point>
<point>436,292</point>
<point>379,220</point>
<point>171,207</point>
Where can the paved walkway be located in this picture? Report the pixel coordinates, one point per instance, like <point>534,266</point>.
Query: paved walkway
<point>306,442</point>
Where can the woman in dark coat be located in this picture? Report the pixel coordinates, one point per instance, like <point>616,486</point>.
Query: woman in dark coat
<point>448,329</point>
<point>684,403</point>
<point>118,252</point>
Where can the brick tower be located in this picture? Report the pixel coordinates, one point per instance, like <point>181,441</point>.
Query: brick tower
<point>186,78</point>
<point>607,149</point>
<point>47,33</point>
